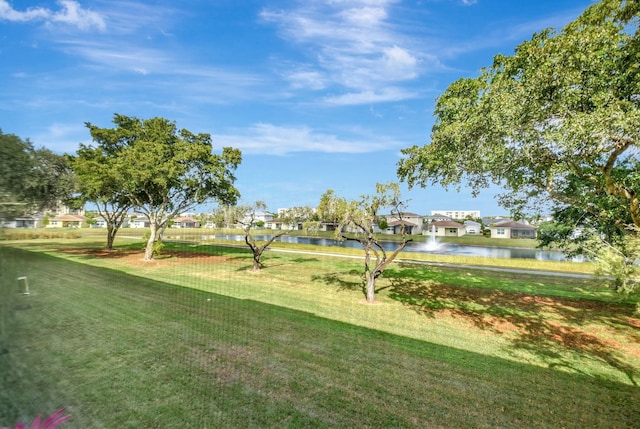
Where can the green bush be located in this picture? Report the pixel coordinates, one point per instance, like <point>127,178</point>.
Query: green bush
<point>157,248</point>
<point>7,234</point>
<point>618,265</point>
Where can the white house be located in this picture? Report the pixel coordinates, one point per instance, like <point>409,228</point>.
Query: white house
<point>446,228</point>
<point>511,229</point>
<point>101,222</point>
<point>472,227</point>
<point>22,222</point>
<point>139,222</point>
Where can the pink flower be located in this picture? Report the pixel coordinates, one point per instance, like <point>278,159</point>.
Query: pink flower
<point>54,420</point>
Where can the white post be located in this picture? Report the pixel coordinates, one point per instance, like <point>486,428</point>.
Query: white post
<point>23,285</point>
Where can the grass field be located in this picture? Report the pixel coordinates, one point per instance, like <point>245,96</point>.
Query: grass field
<point>196,340</point>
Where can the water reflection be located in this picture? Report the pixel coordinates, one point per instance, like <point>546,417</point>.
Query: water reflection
<point>442,249</point>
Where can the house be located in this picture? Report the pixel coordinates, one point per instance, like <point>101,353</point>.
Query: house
<point>22,222</point>
<point>67,221</point>
<point>512,229</point>
<point>490,221</point>
<point>472,227</point>
<point>279,224</point>
<point>185,222</point>
<point>434,218</point>
<point>445,228</point>
<point>395,227</point>
<point>101,222</point>
<point>412,223</point>
<point>260,217</point>
<point>139,222</point>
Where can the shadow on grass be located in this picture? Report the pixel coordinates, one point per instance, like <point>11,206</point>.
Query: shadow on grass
<point>122,363</point>
<point>344,280</point>
<point>543,325</point>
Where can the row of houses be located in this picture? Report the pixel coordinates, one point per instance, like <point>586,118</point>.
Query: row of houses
<point>442,226</point>
<point>437,224</point>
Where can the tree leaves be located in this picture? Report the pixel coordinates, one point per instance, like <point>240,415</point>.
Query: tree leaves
<point>562,110</point>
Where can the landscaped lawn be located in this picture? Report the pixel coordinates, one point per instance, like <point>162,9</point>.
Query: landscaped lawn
<point>197,340</point>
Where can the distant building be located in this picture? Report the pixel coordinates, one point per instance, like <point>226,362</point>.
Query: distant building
<point>411,222</point>
<point>139,221</point>
<point>511,229</point>
<point>472,227</point>
<point>445,228</point>
<point>22,222</point>
<point>457,214</point>
<point>67,221</point>
<point>185,222</point>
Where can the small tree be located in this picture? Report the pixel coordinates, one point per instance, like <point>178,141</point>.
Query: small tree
<point>247,217</point>
<point>361,216</point>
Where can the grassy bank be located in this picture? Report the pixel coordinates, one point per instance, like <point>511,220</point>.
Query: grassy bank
<point>121,348</point>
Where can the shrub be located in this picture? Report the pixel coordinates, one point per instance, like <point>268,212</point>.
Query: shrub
<point>618,265</point>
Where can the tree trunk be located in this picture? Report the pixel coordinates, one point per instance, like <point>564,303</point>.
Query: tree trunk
<point>111,235</point>
<point>256,260</point>
<point>370,286</point>
<point>369,276</point>
<point>153,235</point>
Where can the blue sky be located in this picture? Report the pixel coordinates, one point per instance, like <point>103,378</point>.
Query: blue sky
<point>317,94</point>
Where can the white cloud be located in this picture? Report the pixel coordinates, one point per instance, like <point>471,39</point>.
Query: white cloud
<point>354,46</point>
<point>70,12</point>
<point>306,78</point>
<point>371,96</point>
<point>61,137</point>
<point>272,139</point>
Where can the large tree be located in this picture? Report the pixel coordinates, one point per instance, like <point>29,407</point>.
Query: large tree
<point>360,217</point>
<point>556,124</point>
<point>167,171</point>
<point>101,180</point>
<point>31,179</point>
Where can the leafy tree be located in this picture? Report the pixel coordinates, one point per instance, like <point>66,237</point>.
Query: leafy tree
<point>15,165</point>
<point>557,124</point>
<point>167,171</point>
<point>616,265</point>
<point>102,181</point>
<point>299,217</point>
<point>31,179</point>
<point>361,216</point>
<point>224,216</point>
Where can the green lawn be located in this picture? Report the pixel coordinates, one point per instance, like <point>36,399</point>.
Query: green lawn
<point>196,340</point>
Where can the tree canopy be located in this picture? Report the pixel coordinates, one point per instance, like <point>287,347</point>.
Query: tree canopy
<point>556,124</point>
<point>31,179</point>
<point>101,180</point>
<point>166,171</point>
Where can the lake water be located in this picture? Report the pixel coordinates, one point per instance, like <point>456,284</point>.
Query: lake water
<point>442,248</point>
